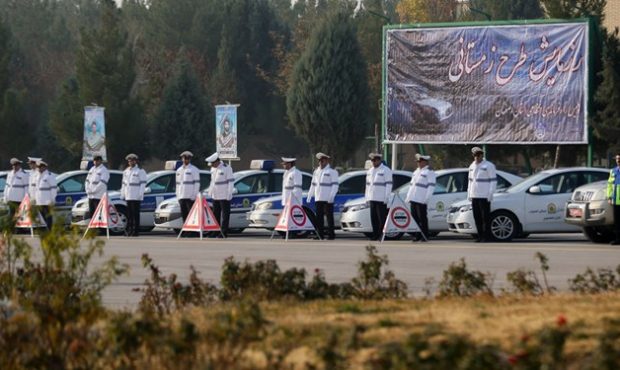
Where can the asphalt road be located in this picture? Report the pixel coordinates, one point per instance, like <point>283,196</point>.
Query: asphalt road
<point>568,255</point>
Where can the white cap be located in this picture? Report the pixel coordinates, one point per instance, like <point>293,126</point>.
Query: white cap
<point>186,153</point>
<point>375,155</point>
<point>41,163</point>
<point>420,157</point>
<point>320,155</point>
<point>15,161</point>
<point>33,159</point>
<point>212,158</point>
<point>476,149</point>
<point>131,156</point>
<point>288,159</point>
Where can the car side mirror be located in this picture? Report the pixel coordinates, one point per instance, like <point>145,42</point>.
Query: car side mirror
<point>147,190</point>
<point>235,191</point>
<point>534,190</point>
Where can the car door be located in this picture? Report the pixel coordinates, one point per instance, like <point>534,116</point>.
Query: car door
<point>449,188</point>
<point>158,190</point>
<point>248,189</point>
<point>70,190</point>
<point>545,202</point>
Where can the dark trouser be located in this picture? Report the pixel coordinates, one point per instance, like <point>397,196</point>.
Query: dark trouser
<point>221,210</point>
<point>186,206</point>
<point>13,207</point>
<point>47,216</point>
<point>420,215</point>
<point>324,209</point>
<point>482,216</point>
<point>92,206</point>
<point>378,214</point>
<point>617,222</point>
<point>133,218</point>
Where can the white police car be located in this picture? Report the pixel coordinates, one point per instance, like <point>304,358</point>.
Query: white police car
<point>261,181</point>
<point>451,186</point>
<point>160,185</point>
<point>352,185</point>
<point>535,205</point>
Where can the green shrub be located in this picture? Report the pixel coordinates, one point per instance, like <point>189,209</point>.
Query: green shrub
<point>373,281</point>
<point>527,282</point>
<point>591,282</point>
<point>458,281</point>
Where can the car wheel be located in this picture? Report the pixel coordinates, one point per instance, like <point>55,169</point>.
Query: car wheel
<point>598,235</point>
<point>504,226</point>
<point>122,222</point>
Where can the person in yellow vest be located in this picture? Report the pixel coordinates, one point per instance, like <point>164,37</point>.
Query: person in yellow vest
<point>613,197</point>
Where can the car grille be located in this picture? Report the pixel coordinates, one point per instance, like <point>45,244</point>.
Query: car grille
<point>161,220</point>
<point>77,218</point>
<point>583,196</point>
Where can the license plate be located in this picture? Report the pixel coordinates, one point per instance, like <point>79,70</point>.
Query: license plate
<point>575,212</point>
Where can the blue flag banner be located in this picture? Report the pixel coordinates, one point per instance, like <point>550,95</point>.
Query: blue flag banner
<point>94,133</point>
<point>517,84</point>
<point>226,130</point>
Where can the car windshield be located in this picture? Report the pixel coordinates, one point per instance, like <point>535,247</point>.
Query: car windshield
<point>528,182</point>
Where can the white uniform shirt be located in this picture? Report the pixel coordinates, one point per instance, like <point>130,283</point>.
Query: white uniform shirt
<point>188,182</point>
<point>482,180</point>
<point>96,183</point>
<point>46,189</point>
<point>324,185</point>
<point>222,182</point>
<point>32,184</point>
<point>291,185</point>
<point>378,184</point>
<point>422,185</point>
<point>16,186</point>
<point>134,182</point>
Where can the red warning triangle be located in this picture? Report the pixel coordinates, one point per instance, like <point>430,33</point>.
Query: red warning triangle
<point>399,218</point>
<point>200,217</point>
<point>293,217</point>
<point>23,216</point>
<point>105,216</point>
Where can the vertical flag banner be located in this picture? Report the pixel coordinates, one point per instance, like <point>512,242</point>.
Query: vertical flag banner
<point>94,133</point>
<point>226,130</point>
<point>503,83</point>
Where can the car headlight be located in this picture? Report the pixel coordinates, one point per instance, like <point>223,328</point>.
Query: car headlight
<point>358,207</point>
<point>465,208</point>
<point>264,206</point>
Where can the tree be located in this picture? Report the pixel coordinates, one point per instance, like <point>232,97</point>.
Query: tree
<point>327,101</point>
<point>106,76</point>
<point>564,9</point>
<point>607,122</point>
<point>424,11</point>
<point>506,10</point>
<point>184,119</point>
<point>67,118</point>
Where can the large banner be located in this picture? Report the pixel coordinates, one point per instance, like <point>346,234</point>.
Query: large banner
<point>518,84</point>
<point>94,133</point>
<point>226,130</point>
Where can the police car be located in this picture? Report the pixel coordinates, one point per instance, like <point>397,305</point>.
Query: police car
<point>451,186</point>
<point>71,189</point>
<point>589,209</point>
<point>352,185</point>
<point>535,205</point>
<point>160,185</point>
<point>261,181</point>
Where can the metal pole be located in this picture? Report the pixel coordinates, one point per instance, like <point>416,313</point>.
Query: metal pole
<point>394,156</point>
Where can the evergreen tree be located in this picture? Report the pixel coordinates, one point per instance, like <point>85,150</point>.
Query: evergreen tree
<point>184,119</point>
<point>15,129</point>
<point>607,122</point>
<point>67,118</point>
<point>105,73</point>
<point>328,99</point>
<point>507,10</point>
<point>564,9</point>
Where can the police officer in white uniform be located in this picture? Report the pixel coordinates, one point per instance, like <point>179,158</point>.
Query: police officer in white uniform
<point>34,178</point>
<point>420,192</point>
<point>45,196</point>
<point>378,189</point>
<point>324,188</point>
<point>16,186</point>
<point>221,191</point>
<point>132,191</point>
<point>96,183</point>
<point>291,181</point>
<point>482,185</point>
<point>188,184</point>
